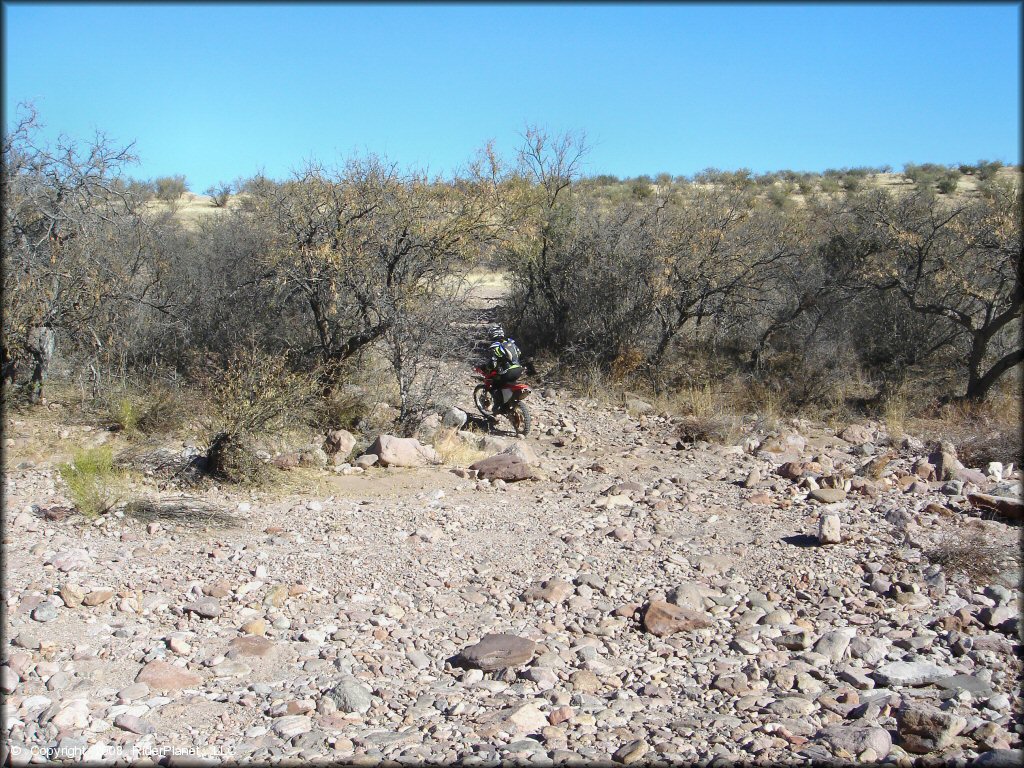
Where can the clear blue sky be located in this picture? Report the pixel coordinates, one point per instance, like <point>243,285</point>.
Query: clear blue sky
<point>220,91</point>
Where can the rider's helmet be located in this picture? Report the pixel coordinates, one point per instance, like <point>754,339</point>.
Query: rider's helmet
<point>496,332</point>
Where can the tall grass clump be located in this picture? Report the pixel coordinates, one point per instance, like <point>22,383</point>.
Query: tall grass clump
<point>94,484</point>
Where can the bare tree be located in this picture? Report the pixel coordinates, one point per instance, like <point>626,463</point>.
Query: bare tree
<point>956,262</point>
<point>72,241</point>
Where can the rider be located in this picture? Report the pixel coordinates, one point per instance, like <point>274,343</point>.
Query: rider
<point>504,361</point>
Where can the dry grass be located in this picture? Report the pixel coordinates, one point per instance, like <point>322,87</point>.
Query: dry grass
<point>453,450</point>
<point>981,433</point>
<point>968,552</point>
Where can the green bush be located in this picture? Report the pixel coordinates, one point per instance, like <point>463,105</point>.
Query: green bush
<point>94,484</point>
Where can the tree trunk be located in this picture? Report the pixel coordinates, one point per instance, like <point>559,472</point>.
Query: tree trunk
<point>41,344</point>
<point>979,386</point>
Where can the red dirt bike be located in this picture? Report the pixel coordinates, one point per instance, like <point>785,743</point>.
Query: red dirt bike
<point>512,409</point>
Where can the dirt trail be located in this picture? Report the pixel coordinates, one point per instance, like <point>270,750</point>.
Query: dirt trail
<point>366,588</point>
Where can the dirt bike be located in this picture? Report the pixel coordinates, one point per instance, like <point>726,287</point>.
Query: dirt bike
<point>513,408</point>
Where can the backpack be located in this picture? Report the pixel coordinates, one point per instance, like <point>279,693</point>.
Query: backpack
<point>507,354</point>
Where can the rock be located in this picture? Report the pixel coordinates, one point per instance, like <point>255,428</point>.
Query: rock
<point>923,728</point>
<point>638,407</point>
<point>856,434</point>
<point>828,495</point>
<point>133,692</point>
<point>72,560</point>
<point>503,466</point>
<point>631,752</point>
<point>349,695</point>
<point>339,444</point>
<point>207,607</point>
<point>662,618</point>
<point>976,686</point>
<point>73,714</point>
<point>134,724</point>
<point>499,651</point>
<point>44,612</point>
<point>367,460</point>
<point>584,681</point>
<point>834,644</point>
<point>854,739</point>
<point>521,451</point>
<point>161,676</point>
<point>290,726</point>
<point>455,418</point>
<point>688,595</point>
<point>1000,758</point>
<point>98,596</point>
<point>255,627</point>
<point>791,706</point>
<point>753,478</point>
<point>313,457</point>
<point>526,718</point>
<point>910,673</point>
<point>829,529</point>
<point>72,595</point>
<point>178,646</point>
<point>551,591</point>
<point>231,669</point>
<point>1008,506</point>
<point>394,451</point>
<point>8,679</point>
<point>251,645</point>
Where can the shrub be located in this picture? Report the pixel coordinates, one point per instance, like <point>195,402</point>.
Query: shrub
<point>124,415</point>
<point>257,392</point>
<point>987,169</point>
<point>1003,445</point>
<point>164,413</point>
<point>711,429</point>
<point>948,183</point>
<point>851,182</point>
<point>641,188</point>
<point>830,184</point>
<point>94,484</point>
<point>232,457</point>
<point>969,553</point>
<point>170,188</point>
<point>219,193</point>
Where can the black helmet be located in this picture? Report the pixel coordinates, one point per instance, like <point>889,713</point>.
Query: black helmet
<point>496,332</point>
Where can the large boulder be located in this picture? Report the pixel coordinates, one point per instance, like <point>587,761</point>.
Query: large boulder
<point>923,728</point>
<point>394,451</point>
<point>503,466</point>
<point>339,444</point>
<point>455,417</point>
<point>523,452</point>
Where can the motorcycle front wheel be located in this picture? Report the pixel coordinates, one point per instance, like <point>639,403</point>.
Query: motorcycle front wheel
<point>520,418</point>
<point>483,399</point>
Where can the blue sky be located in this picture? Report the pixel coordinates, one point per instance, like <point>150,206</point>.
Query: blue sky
<point>218,92</point>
